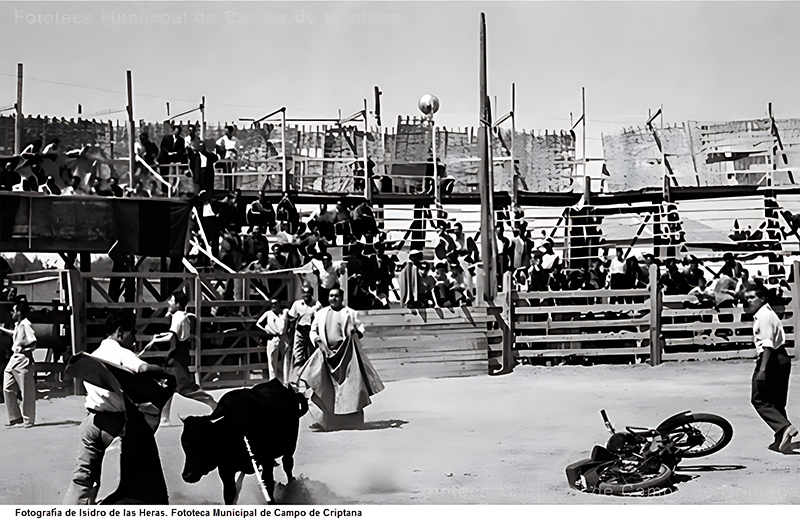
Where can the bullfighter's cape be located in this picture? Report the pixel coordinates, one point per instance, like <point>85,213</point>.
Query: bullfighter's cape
<point>343,379</point>
<point>141,478</point>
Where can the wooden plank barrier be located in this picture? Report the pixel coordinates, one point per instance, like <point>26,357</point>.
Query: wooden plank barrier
<point>582,323</point>
<point>411,343</point>
<point>640,322</point>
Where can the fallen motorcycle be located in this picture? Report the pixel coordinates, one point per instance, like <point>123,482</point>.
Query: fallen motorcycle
<point>642,460</point>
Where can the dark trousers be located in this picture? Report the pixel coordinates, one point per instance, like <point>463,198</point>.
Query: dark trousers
<point>769,395</point>
<point>617,281</point>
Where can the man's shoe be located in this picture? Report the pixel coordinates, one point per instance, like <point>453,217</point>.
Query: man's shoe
<point>786,439</point>
<point>15,422</point>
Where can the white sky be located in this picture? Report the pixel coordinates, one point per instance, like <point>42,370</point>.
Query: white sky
<point>701,60</point>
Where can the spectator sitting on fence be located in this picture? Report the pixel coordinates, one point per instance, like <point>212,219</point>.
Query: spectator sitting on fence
<point>260,213</point>
<point>443,287</point>
<point>731,267</point>
<point>674,281</point>
<point>463,288</point>
<point>692,271</point>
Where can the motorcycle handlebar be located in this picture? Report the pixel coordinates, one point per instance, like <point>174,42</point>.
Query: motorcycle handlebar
<point>607,422</point>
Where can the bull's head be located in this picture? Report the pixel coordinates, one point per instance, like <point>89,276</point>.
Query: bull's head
<point>199,441</point>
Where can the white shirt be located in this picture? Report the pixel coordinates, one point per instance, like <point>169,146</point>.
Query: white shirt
<point>616,266</point>
<point>300,309</point>
<point>334,326</point>
<point>22,336</point>
<point>767,329</point>
<point>100,399</point>
<point>181,325</point>
<point>272,323</point>
<point>230,144</point>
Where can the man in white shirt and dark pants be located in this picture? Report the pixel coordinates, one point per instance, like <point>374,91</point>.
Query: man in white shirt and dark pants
<point>770,384</point>
<point>107,416</point>
<point>18,381</point>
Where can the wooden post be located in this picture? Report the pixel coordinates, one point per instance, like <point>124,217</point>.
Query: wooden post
<point>203,119</point>
<point>367,180</point>
<point>655,317</point>
<point>198,343</point>
<point>508,327</point>
<point>437,195</point>
<point>514,180</point>
<point>284,177</point>
<point>486,186</point>
<point>111,141</point>
<point>583,127</point>
<point>86,267</point>
<point>18,119</point>
<point>131,132</point>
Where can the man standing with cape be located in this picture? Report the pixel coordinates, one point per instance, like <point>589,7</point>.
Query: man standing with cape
<point>124,399</point>
<point>339,374</point>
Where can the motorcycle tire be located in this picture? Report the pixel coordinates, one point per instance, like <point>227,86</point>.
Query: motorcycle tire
<point>716,432</point>
<point>660,479</point>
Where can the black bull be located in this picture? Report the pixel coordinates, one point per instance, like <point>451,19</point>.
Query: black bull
<point>267,414</point>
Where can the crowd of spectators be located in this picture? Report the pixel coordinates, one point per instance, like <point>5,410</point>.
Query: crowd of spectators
<point>182,166</point>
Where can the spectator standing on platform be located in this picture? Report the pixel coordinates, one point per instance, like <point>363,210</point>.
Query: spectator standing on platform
<point>228,150</point>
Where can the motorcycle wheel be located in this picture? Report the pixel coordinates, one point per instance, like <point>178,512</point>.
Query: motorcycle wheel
<point>699,435</point>
<point>620,483</point>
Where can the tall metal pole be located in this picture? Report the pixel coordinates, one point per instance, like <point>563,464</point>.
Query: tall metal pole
<point>131,132</point>
<point>485,182</point>
<point>18,119</point>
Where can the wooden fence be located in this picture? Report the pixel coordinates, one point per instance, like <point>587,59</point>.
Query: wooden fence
<point>640,323</point>
<point>443,342</point>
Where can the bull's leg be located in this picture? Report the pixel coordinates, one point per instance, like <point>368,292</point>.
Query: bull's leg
<point>288,466</point>
<point>229,487</point>
<point>239,482</point>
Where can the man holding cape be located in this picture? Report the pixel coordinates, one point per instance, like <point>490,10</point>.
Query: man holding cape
<point>339,374</point>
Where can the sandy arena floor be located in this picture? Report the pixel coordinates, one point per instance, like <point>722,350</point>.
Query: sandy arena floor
<point>477,440</point>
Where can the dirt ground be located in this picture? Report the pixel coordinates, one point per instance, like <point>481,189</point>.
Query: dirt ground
<point>475,440</point>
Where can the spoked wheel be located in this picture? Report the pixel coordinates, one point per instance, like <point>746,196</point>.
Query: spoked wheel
<point>618,478</point>
<point>699,435</point>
